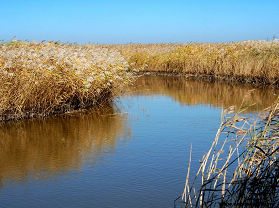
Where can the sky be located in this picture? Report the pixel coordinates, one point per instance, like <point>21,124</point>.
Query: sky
<point>142,21</point>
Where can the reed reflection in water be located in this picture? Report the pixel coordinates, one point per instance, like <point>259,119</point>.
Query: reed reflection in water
<point>196,92</point>
<point>79,160</point>
<point>55,146</point>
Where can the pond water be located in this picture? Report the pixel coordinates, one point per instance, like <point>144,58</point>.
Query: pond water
<point>133,153</point>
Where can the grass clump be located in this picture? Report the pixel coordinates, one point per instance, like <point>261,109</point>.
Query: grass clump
<point>39,79</point>
<point>247,61</point>
<point>241,167</point>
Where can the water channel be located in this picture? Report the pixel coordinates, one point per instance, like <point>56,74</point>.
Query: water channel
<point>132,153</point>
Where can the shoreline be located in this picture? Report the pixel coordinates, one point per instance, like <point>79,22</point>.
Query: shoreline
<point>97,104</point>
<point>42,79</point>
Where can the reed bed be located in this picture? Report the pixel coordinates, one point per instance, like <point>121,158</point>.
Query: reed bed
<point>241,167</point>
<point>247,61</point>
<point>39,79</point>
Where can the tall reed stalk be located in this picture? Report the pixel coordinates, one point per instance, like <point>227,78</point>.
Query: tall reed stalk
<point>241,167</point>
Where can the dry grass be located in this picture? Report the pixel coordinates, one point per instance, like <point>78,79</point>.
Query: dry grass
<point>39,79</point>
<point>247,61</point>
<point>241,167</point>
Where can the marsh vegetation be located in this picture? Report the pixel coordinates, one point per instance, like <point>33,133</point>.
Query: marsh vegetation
<point>39,79</point>
<point>247,61</point>
<point>240,169</point>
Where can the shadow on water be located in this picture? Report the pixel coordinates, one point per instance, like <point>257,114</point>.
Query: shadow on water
<point>58,145</point>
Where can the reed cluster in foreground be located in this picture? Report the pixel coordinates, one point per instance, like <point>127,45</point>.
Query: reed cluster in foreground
<point>241,169</point>
<point>247,61</point>
<point>39,79</point>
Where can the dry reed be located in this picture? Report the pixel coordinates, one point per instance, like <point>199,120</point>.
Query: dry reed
<point>39,79</point>
<point>247,61</point>
<point>241,167</point>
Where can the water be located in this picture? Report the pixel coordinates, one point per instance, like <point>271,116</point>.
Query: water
<point>130,154</point>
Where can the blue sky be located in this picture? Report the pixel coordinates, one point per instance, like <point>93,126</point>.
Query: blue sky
<point>146,21</point>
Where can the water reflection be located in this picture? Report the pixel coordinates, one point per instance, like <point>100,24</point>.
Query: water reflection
<point>55,146</point>
<point>59,145</point>
<point>195,92</point>
<point>147,171</point>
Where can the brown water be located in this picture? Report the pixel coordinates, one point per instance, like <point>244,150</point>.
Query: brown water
<point>133,153</point>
